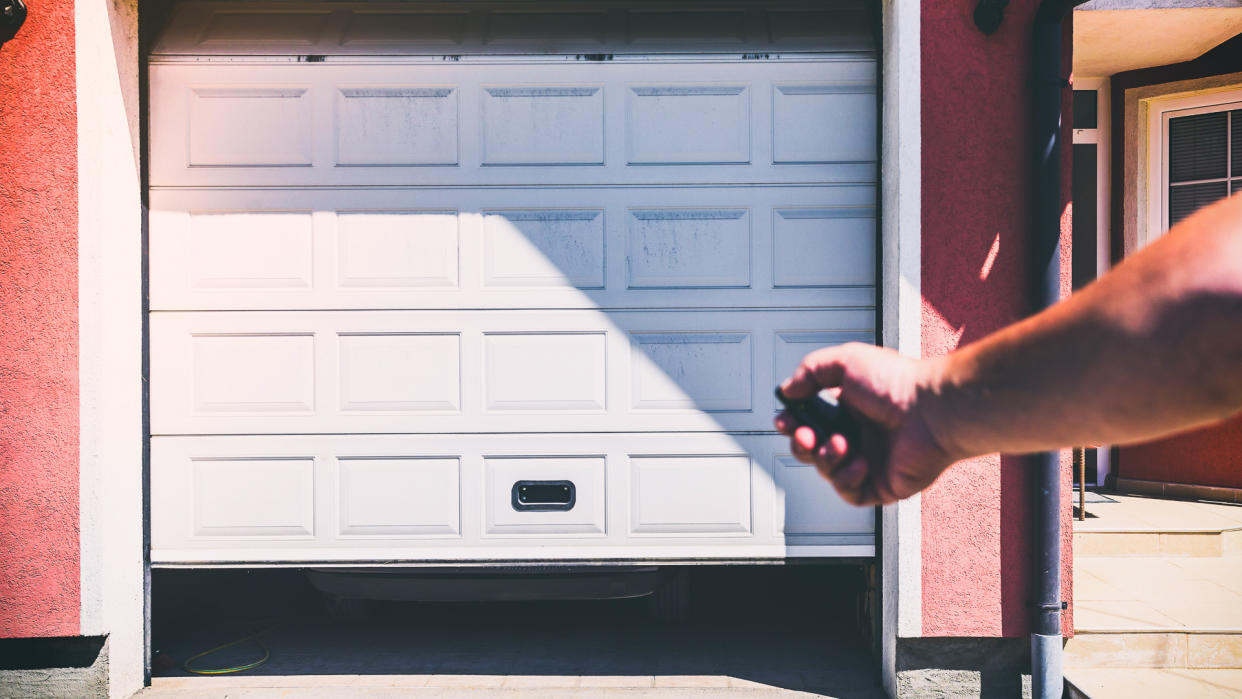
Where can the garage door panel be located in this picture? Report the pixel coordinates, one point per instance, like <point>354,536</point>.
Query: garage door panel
<point>398,497</point>
<point>416,266</point>
<point>479,371</point>
<point>278,499</point>
<point>843,240</point>
<point>397,126</point>
<point>400,372</point>
<point>267,373</point>
<point>688,124</point>
<point>805,510</point>
<point>237,127</point>
<point>806,123</point>
<point>513,248</point>
<point>380,28</point>
<point>543,125</point>
<point>520,27</point>
<point>544,371</point>
<point>789,347</point>
<point>278,250</point>
<point>704,371</point>
<point>586,517</point>
<point>668,495</point>
<point>688,248</point>
<point>544,248</point>
<point>449,497</point>
<point>586,122</point>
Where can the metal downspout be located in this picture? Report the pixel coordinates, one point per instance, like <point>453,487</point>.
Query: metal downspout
<point>1047,83</point>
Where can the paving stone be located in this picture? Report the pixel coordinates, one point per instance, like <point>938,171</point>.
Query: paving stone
<point>638,681</point>
<point>1131,683</point>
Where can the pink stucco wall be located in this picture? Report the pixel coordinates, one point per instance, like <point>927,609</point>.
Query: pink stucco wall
<point>1211,456</point>
<point>976,518</point>
<point>39,588</point>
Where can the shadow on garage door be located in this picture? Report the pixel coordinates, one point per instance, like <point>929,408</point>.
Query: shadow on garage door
<point>794,628</point>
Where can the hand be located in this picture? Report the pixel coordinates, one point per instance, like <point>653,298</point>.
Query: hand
<point>898,455</point>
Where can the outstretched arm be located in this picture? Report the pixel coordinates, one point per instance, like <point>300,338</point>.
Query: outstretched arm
<point>1151,348</point>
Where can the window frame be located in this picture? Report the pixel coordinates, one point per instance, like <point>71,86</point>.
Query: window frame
<point>1159,112</point>
<point>1101,137</point>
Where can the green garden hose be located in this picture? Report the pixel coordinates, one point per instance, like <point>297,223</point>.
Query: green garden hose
<point>254,635</point>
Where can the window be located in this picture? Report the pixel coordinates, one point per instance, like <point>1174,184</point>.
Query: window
<point>1205,160</point>
<point>1196,154</point>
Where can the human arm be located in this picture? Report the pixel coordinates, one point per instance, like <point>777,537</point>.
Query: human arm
<point>1151,348</point>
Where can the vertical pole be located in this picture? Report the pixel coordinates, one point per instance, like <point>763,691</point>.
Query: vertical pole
<point>1047,84</point>
<point>1080,465</point>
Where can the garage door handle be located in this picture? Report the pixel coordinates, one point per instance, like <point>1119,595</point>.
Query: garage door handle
<point>544,496</point>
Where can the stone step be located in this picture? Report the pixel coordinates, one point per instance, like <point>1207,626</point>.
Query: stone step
<point>1132,683</point>
<point>1155,649</point>
<point>1165,593</point>
<point>1147,542</point>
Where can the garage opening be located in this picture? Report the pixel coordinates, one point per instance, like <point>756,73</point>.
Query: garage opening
<point>795,628</point>
<point>502,286</point>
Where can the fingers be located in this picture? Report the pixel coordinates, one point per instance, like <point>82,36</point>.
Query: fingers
<point>819,369</point>
<point>850,481</point>
<point>849,477</point>
<point>785,423</point>
<point>802,444</point>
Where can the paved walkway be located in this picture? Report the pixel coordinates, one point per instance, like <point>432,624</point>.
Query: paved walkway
<point>1142,513</point>
<point>1157,599</point>
<point>1134,683</point>
<point>1121,593</point>
<point>1164,575</point>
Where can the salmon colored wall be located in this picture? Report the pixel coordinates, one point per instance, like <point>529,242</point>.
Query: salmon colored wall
<point>976,518</point>
<point>1211,456</point>
<point>39,587</point>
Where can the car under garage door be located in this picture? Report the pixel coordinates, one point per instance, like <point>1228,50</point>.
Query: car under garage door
<point>501,281</point>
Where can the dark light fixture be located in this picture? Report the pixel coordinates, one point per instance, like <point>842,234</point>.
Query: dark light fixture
<point>12,16</point>
<point>989,14</point>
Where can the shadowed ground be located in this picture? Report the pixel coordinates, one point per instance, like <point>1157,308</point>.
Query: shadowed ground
<point>753,632</point>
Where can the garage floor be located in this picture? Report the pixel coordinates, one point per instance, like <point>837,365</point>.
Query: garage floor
<point>752,632</point>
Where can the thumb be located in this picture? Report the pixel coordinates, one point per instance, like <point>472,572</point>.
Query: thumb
<point>819,369</point>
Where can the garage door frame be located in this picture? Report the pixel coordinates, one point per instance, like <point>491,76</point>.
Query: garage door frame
<point>112,165</point>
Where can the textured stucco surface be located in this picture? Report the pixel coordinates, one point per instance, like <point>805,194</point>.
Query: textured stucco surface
<point>1211,456</point>
<point>976,518</point>
<point>39,590</point>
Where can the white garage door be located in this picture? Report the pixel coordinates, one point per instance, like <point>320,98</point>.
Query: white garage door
<point>439,283</point>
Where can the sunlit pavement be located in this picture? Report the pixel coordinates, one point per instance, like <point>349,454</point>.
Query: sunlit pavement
<point>1157,599</point>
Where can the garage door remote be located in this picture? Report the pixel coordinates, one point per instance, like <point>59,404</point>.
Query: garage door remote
<point>824,417</point>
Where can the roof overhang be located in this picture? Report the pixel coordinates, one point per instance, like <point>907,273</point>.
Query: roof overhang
<point>1113,41</point>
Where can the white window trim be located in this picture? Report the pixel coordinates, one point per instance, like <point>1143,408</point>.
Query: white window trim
<point>1101,136</point>
<point>1159,112</point>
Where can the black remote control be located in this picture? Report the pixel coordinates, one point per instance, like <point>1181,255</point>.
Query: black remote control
<point>824,417</point>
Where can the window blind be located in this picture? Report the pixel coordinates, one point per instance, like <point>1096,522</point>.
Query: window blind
<point>1205,160</point>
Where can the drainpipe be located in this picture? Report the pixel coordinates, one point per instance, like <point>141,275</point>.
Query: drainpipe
<point>1047,82</point>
